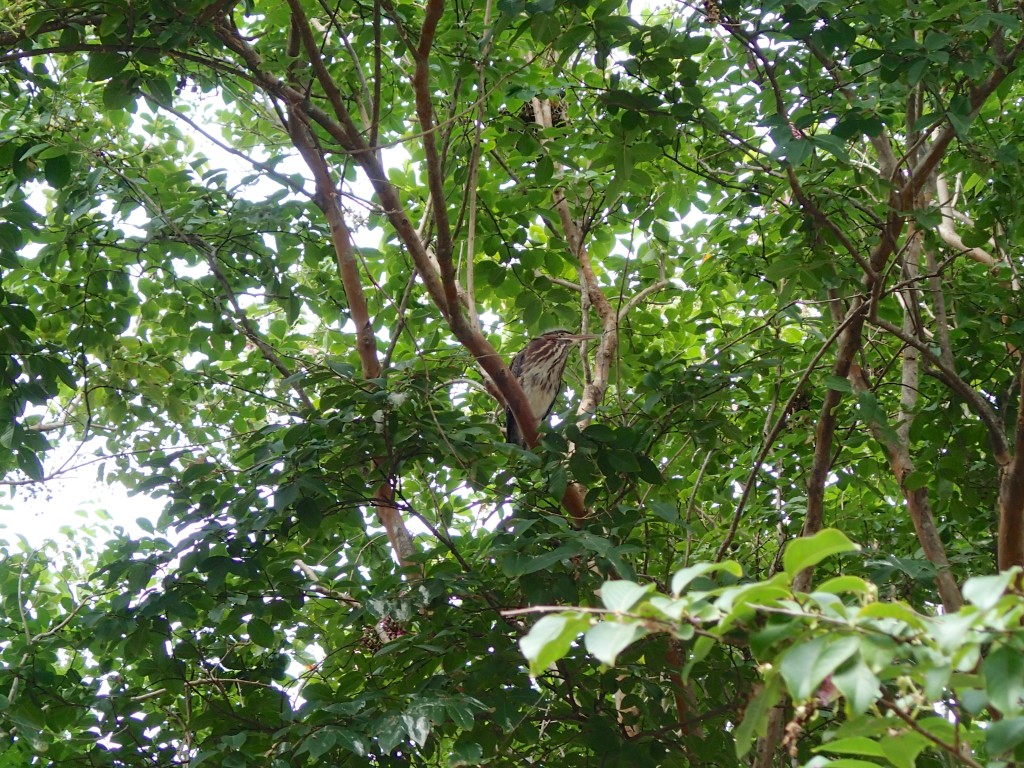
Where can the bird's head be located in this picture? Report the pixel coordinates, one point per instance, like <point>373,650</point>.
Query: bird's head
<point>566,336</point>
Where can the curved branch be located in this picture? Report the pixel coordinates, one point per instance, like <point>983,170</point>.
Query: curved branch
<point>638,298</point>
<point>981,407</point>
<point>947,229</point>
<point>345,133</point>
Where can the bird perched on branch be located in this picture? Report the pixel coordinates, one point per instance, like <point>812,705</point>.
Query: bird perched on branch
<point>538,368</point>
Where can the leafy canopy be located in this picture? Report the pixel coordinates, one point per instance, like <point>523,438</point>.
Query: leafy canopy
<point>267,261</point>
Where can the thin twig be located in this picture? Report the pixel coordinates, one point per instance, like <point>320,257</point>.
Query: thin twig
<point>777,429</point>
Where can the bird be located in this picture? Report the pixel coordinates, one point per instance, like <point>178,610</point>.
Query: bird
<point>538,368</point>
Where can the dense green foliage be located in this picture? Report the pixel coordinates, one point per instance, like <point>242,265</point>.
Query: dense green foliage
<point>794,225</point>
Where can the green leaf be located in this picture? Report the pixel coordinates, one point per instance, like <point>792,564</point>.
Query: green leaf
<point>806,552</point>
<point>607,640</point>
<point>418,728</point>
<point>466,754</point>
<point>307,512</point>
<point>798,151</point>
<point>261,633</point>
<point>854,745</point>
<point>649,471</point>
<point>683,577</point>
<point>11,237</point>
<point>859,685</point>
<point>520,564</point>
<point>391,731</point>
<point>105,65</point>
<point>119,93</point>
<point>838,383</point>
<point>599,433</point>
<point>899,611</point>
<point>320,742</point>
<point>961,123</point>
<point>985,591</point>
<point>902,748</point>
<point>915,480</point>
<point>841,585</point>
<point>1003,668</point>
<point>806,665</point>
<point>550,639</point>
<point>1004,736</point>
<point>950,629</point>
<point>57,171</point>
<point>621,596</point>
<point>29,463</point>
<point>755,717</point>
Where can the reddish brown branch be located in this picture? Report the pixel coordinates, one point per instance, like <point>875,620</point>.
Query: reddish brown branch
<point>948,376</point>
<point>772,436</point>
<point>1011,493</point>
<point>348,138</point>
<point>341,238</point>
<point>849,344</point>
<point>979,95</point>
<point>435,171</point>
<point>918,504</point>
<point>366,342</point>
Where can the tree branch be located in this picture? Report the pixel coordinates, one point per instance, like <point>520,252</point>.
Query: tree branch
<point>849,345</point>
<point>773,434</point>
<point>1011,492</point>
<point>947,229</point>
<point>348,137</point>
<point>981,407</point>
<point>917,499</point>
<point>435,172</point>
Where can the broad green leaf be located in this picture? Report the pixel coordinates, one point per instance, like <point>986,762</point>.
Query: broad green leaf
<point>806,665</point>
<point>105,65</point>
<point>320,742</point>
<point>1004,736</point>
<point>759,593</point>
<point>903,747</point>
<point>418,728</point>
<point>621,596</point>
<point>261,633</point>
<point>985,591</point>
<point>846,584</point>
<point>57,171</point>
<point>29,463</point>
<point>466,754</point>
<point>950,629</point>
<point>859,685</point>
<point>1003,668</point>
<point>550,639</point>
<point>683,577</point>
<point>605,641</point>
<point>391,731</point>
<point>854,745</point>
<point>809,551</point>
<point>898,611</point>
<point>839,384</point>
<point>755,717</point>
<point>672,609</point>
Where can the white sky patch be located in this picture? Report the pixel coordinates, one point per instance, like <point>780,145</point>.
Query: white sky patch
<point>56,509</point>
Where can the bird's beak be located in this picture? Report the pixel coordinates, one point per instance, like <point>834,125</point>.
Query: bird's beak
<point>583,336</point>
